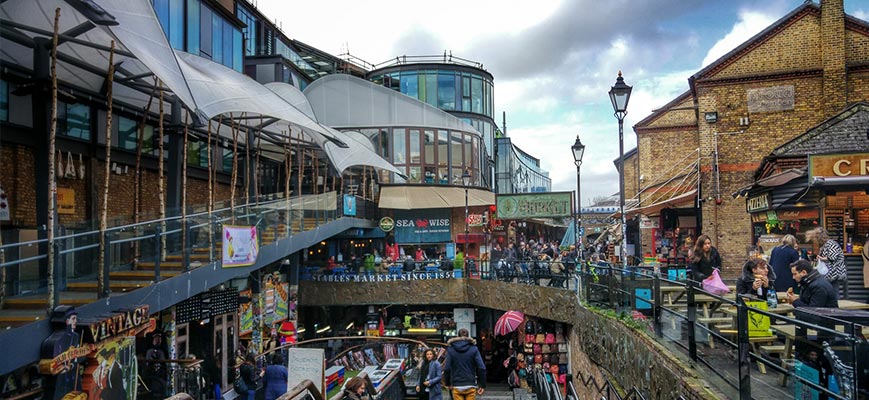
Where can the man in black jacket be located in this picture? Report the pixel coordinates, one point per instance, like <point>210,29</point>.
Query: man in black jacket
<point>464,370</point>
<point>815,291</point>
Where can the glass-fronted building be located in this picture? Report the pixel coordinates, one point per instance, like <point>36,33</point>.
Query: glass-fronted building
<point>518,172</point>
<point>459,87</point>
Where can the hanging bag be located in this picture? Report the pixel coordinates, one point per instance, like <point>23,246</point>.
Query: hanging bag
<point>713,284</point>
<point>822,267</point>
<point>550,338</point>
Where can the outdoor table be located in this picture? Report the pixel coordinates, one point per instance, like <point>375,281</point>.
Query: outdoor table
<point>432,268</point>
<point>339,271</point>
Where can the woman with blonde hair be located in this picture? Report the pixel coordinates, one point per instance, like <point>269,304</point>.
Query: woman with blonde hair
<point>831,253</point>
<point>780,261</point>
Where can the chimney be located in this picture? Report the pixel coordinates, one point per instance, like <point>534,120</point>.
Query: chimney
<point>833,55</point>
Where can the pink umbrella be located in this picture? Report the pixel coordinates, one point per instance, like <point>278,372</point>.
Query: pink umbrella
<point>508,322</point>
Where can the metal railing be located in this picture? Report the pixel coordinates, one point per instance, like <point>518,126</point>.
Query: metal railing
<point>156,245</point>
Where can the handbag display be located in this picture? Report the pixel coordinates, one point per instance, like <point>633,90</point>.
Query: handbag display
<point>540,338</point>
<point>529,338</point>
<point>537,349</point>
<point>538,359</point>
<point>545,349</point>
<point>529,327</point>
<point>550,338</point>
<point>562,347</point>
<point>559,337</point>
<point>562,358</point>
<point>713,284</point>
<point>529,347</point>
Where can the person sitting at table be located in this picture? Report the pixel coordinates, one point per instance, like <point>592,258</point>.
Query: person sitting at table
<point>409,265</point>
<point>815,291</point>
<point>757,278</point>
<point>420,255</point>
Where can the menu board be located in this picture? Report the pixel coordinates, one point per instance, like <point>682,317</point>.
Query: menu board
<point>835,227</point>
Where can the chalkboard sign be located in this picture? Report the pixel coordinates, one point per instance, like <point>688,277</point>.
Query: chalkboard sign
<point>835,227</point>
<point>306,364</point>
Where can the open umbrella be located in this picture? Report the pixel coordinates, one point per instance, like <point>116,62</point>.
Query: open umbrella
<point>508,322</point>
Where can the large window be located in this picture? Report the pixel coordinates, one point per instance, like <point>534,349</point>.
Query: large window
<point>399,149</point>
<point>447,92</point>
<point>74,120</point>
<point>197,154</point>
<point>249,31</point>
<point>410,84</point>
<point>206,33</point>
<point>193,27</point>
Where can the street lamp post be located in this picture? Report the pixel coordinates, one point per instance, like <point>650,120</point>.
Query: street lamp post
<point>620,93</point>
<point>578,150</point>
<point>466,180</point>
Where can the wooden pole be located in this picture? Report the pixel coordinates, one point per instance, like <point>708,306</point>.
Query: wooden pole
<point>301,156</point>
<point>246,167</point>
<point>234,166</point>
<point>104,207</point>
<point>160,186</point>
<point>52,179</point>
<point>288,170</point>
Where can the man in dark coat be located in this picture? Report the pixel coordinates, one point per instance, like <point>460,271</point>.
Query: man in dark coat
<point>464,370</point>
<point>815,291</point>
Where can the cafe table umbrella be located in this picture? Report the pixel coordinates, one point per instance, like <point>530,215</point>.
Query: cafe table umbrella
<point>509,322</point>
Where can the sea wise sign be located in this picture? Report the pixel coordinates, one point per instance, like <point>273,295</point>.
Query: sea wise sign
<point>422,226</point>
<point>306,364</point>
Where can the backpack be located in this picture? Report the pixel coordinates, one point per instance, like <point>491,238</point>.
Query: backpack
<point>513,380</point>
<point>240,386</point>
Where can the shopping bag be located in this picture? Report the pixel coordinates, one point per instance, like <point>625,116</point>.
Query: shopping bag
<point>822,267</point>
<point>713,284</point>
<point>758,324</point>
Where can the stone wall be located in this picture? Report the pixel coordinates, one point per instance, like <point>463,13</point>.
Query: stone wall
<point>600,346</point>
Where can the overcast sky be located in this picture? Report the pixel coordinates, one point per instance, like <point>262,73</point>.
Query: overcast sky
<point>553,60</point>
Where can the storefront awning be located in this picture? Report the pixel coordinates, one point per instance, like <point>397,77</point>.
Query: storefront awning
<point>772,181</point>
<point>675,201</point>
<point>422,197</point>
<point>860,182</point>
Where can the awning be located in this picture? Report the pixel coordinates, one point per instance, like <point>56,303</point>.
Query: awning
<point>471,238</point>
<point>422,197</point>
<point>676,201</point>
<point>772,181</point>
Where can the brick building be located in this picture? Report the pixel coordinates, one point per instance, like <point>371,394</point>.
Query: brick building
<point>803,69</point>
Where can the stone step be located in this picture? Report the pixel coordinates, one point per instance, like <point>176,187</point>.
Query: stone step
<point>150,265</point>
<point>140,275</point>
<point>40,301</point>
<point>119,286</point>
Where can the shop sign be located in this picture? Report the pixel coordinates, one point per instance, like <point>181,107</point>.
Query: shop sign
<point>422,226</point>
<point>402,277</point>
<point>240,246</point>
<point>757,203</point>
<point>536,205</point>
<point>649,223</point>
<point>387,224</point>
<point>768,99</point>
<point>475,220</point>
<point>124,323</point>
<point>65,201</point>
<point>838,165</point>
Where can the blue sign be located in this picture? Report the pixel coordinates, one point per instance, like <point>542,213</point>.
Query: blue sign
<point>451,251</point>
<point>349,205</point>
<point>422,226</point>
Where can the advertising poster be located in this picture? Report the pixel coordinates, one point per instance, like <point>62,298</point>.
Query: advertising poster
<point>349,205</point>
<point>111,372</point>
<point>240,246</point>
<point>422,226</point>
<point>245,323</point>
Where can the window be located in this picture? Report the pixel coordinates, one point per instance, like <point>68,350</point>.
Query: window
<point>399,149</point>
<point>197,154</point>
<point>237,55</point>
<point>193,28</point>
<point>217,37</point>
<point>384,144</point>
<point>227,160</point>
<point>466,93</point>
<point>127,134</point>
<point>227,43</point>
<point>414,147</point>
<point>456,156</point>
<point>206,47</point>
<point>431,89</point>
<point>249,31</point>
<point>447,91</point>
<point>477,95</point>
<point>74,120</point>
<point>430,148</point>
<point>410,84</point>
<point>443,154</point>
<point>4,101</point>
<point>170,13</point>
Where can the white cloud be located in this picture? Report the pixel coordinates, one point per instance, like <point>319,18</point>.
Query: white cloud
<point>750,23</point>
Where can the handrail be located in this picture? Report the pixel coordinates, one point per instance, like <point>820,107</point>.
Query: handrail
<point>304,387</point>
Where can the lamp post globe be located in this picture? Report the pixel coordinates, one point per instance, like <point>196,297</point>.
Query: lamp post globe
<point>620,94</point>
<point>578,151</point>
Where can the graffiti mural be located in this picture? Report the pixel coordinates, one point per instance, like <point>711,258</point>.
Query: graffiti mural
<point>111,372</point>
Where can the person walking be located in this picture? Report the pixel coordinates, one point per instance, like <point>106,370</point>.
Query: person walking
<point>275,378</point>
<point>464,371</point>
<point>757,279</point>
<point>250,377</point>
<point>780,261</point>
<point>831,253</point>
<point>815,291</point>
<point>355,389</point>
<point>704,258</point>
<point>430,376</point>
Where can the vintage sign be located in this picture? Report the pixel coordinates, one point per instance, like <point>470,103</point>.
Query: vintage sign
<point>422,226</point>
<point>768,99</point>
<point>534,205</point>
<point>124,323</point>
<point>387,224</point>
<point>65,201</point>
<point>404,276</point>
<point>240,246</point>
<point>757,203</point>
<point>838,165</point>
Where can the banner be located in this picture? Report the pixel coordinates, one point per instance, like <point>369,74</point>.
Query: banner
<point>240,246</point>
<point>349,205</point>
<point>245,314</point>
<point>758,324</point>
<point>536,205</point>
<point>422,226</point>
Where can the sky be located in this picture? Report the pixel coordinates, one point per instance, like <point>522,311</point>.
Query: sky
<point>553,60</point>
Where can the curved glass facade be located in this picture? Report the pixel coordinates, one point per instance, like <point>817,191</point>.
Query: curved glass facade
<point>518,172</point>
<point>428,155</point>
<point>447,89</point>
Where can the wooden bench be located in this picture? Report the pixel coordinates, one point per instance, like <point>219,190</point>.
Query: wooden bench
<point>774,349</point>
<point>711,321</point>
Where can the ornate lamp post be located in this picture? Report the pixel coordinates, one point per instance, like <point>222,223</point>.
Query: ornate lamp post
<point>620,93</point>
<point>578,150</point>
